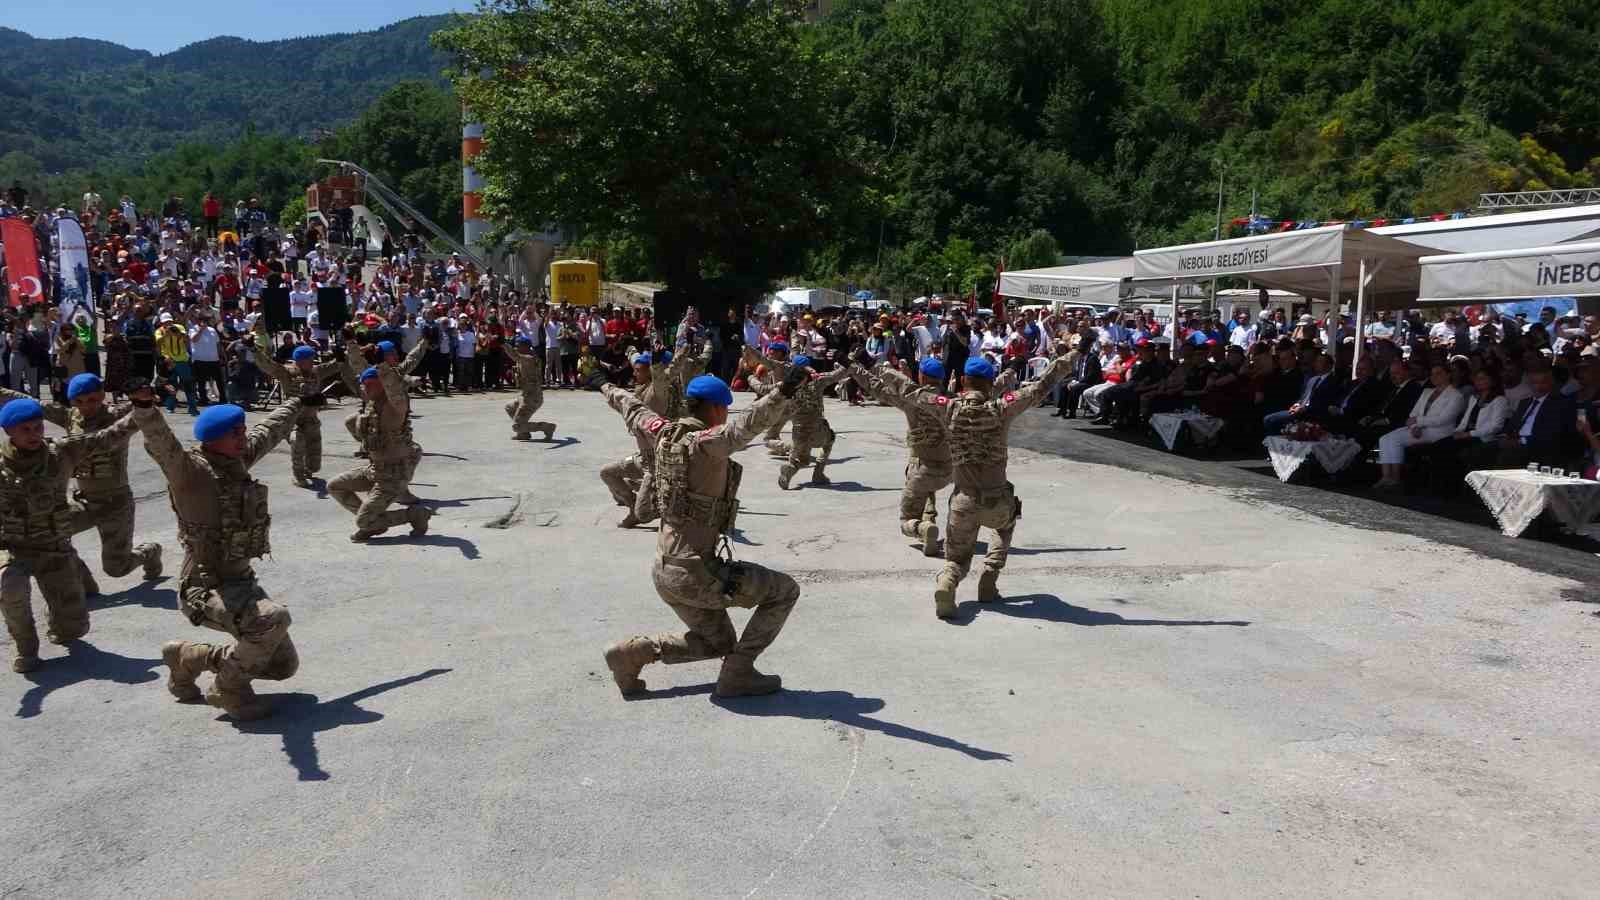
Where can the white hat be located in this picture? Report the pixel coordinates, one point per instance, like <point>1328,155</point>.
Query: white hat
<point>1306,319</point>
<point>166,317</point>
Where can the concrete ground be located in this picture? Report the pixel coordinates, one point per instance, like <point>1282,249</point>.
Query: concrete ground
<point>1195,686</point>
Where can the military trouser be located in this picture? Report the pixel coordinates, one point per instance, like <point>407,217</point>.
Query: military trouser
<point>521,412</point>
<point>701,592</point>
<point>389,482</point>
<point>306,447</point>
<point>814,434</point>
<point>260,628</point>
<point>919,499</point>
<point>996,509</point>
<point>774,438</point>
<point>111,515</point>
<point>632,485</point>
<point>67,614</point>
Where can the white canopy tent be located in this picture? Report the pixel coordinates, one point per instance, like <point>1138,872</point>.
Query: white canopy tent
<point>1095,283</point>
<point>1565,270</point>
<point>1315,262</point>
<point>1506,231</point>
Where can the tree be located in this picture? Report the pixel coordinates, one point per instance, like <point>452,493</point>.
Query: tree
<point>704,128</point>
<point>1035,251</point>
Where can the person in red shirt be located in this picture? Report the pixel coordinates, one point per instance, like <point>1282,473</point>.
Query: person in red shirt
<point>227,287</point>
<point>615,327</point>
<point>211,209</point>
<point>136,271</point>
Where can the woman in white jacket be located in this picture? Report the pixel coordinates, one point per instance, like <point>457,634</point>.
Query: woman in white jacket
<point>1435,416</point>
<point>1444,461</point>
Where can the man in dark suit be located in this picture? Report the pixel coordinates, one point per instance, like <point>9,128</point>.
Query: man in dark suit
<point>1542,430</point>
<point>1086,374</point>
<point>1357,399</point>
<point>1408,383</point>
<point>1317,392</point>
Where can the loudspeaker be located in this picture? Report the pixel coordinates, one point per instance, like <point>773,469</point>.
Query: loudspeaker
<point>275,307</point>
<point>333,312</point>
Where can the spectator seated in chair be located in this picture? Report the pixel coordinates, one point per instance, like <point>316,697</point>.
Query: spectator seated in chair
<point>1434,416</point>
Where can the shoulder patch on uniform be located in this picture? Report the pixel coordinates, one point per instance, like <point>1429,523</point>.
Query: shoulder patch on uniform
<point>655,425</point>
<point>942,400</point>
<point>1010,397</point>
<point>709,433</point>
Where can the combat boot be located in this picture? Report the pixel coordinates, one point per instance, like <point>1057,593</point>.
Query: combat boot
<point>629,520</point>
<point>360,453</point>
<point>244,705</point>
<point>511,410</point>
<point>362,536</point>
<point>817,477</point>
<point>784,474</point>
<point>152,561</point>
<point>944,596</point>
<point>186,661</point>
<point>989,587</point>
<point>930,539</point>
<point>522,435</point>
<point>24,663</point>
<point>626,658</point>
<point>739,678</point>
<point>549,432</point>
<point>419,516</point>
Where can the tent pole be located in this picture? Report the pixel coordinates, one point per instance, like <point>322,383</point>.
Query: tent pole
<point>1361,316</point>
<point>1334,273</point>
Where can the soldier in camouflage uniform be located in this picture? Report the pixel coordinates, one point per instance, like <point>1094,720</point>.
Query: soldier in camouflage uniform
<point>305,377</point>
<point>670,374</point>
<point>530,379</point>
<point>697,492</point>
<point>773,440</point>
<point>930,469</point>
<point>811,428</point>
<point>385,430</point>
<point>631,480</point>
<point>383,351</point>
<point>979,424</point>
<point>103,501</point>
<point>36,524</point>
<point>223,524</point>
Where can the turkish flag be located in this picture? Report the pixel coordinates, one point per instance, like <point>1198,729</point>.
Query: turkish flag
<point>22,262</point>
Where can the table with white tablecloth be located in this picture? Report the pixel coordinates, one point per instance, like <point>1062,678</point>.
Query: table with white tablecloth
<point>1516,497</point>
<point>1203,429</point>
<point>1333,454</point>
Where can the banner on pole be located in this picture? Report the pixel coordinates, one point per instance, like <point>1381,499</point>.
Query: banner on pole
<point>73,290</point>
<point>24,281</point>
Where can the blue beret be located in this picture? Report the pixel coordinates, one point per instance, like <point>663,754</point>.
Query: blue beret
<point>642,359</point>
<point>978,367</point>
<point>386,347</point>
<point>370,373</point>
<point>524,342</point>
<point>777,347</point>
<point>19,411</point>
<point>711,389</point>
<point>932,367</point>
<point>801,360</point>
<point>217,421</point>
<point>303,353</point>
<point>86,383</point>
<point>666,357</point>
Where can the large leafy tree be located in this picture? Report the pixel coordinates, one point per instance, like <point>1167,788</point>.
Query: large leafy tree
<point>704,129</point>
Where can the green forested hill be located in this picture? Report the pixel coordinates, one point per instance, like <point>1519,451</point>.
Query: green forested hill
<point>92,104</point>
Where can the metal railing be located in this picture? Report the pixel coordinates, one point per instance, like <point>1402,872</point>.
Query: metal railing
<point>1530,199</point>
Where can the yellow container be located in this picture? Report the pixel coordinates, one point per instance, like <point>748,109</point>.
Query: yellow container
<point>575,281</point>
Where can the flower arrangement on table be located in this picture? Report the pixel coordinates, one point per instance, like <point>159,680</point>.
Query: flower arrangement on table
<point>1306,431</point>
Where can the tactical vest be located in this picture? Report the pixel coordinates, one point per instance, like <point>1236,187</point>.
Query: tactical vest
<point>680,506</point>
<point>806,405</point>
<point>977,432</point>
<point>33,503</point>
<point>924,428</point>
<point>109,465</point>
<point>379,435</point>
<point>244,525</point>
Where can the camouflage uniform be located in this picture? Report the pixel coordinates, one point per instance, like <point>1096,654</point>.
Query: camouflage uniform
<point>223,524</point>
<point>102,501</point>
<point>36,524</point>
<point>697,487</point>
<point>773,439</point>
<point>811,428</point>
<point>305,449</point>
<point>530,379</point>
<point>392,457</point>
<point>352,380</point>
<point>930,468</point>
<point>632,479</point>
<point>979,424</point>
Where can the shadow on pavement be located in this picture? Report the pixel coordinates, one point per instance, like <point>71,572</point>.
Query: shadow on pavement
<point>462,501</point>
<point>558,443</point>
<point>846,709</point>
<point>1039,551</point>
<point>849,487</point>
<point>447,456</point>
<point>83,662</point>
<point>1050,608</point>
<point>298,718</point>
<point>144,594</point>
<point>467,548</point>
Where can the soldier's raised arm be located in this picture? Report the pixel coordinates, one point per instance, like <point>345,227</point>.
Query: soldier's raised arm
<point>161,443</point>
<point>728,439</point>
<point>414,358</point>
<point>330,369</point>
<point>264,361</point>
<point>73,449</point>
<point>270,433</point>
<point>776,366</point>
<point>54,413</point>
<point>639,418</point>
<point>394,388</point>
<point>839,373</point>
<point>1019,401</point>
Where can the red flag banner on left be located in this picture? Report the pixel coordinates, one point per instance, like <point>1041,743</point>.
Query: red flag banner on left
<point>22,262</point>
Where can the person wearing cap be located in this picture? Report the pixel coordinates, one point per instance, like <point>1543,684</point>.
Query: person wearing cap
<point>773,440</point>
<point>811,428</point>
<point>102,499</point>
<point>302,377</point>
<point>172,340</point>
<point>927,412</point>
<point>36,526</point>
<point>632,480</point>
<point>223,524</point>
<point>530,380</point>
<point>386,352</point>
<point>979,425</point>
<point>385,433</point>
<point>697,493</point>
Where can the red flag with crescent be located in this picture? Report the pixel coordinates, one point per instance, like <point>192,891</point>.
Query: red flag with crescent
<point>22,262</point>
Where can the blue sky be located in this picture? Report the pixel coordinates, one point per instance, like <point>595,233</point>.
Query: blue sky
<point>166,25</point>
